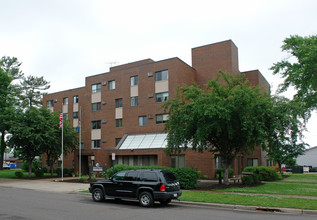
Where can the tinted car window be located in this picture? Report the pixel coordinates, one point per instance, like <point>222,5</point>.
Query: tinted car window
<point>149,176</point>
<point>119,176</point>
<point>132,176</point>
<point>169,176</point>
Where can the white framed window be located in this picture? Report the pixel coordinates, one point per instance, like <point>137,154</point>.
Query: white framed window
<point>112,85</point>
<point>134,101</point>
<point>161,75</point>
<point>49,103</point>
<point>96,88</point>
<point>118,103</point>
<point>177,161</point>
<point>161,118</point>
<point>96,106</point>
<point>75,99</point>
<point>134,80</point>
<point>96,144</point>
<point>65,101</point>
<point>142,120</point>
<point>119,123</point>
<point>75,114</point>
<point>218,162</point>
<point>252,162</point>
<point>96,124</point>
<point>161,97</point>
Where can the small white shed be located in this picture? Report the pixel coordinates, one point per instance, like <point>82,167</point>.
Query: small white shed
<point>309,158</point>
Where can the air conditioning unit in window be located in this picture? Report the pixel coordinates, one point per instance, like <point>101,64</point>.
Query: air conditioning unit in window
<point>55,100</point>
<point>150,95</point>
<point>150,116</point>
<point>104,121</point>
<point>104,83</point>
<point>149,74</point>
<point>104,102</point>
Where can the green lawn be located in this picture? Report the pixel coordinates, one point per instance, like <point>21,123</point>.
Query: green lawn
<point>11,174</point>
<point>249,200</point>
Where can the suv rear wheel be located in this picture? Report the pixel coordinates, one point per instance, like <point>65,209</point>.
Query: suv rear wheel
<point>97,195</point>
<point>146,199</point>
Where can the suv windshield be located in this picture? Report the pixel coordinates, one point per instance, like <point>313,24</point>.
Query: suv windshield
<point>169,177</point>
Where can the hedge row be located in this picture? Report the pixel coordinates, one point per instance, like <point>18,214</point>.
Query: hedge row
<point>260,174</point>
<point>187,177</point>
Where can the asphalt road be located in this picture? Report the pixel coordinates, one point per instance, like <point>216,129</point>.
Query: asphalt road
<point>17,203</point>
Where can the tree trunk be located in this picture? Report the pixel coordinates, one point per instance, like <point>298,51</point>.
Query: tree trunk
<point>30,169</point>
<point>2,148</point>
<point>51,167</point>
<point>226,175</point>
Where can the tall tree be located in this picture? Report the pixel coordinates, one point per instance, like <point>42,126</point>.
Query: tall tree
<point>9,72</point>
<point>284,142</point>
<point>300,70</point>
<point>32,90</point>
<point>227,119</point>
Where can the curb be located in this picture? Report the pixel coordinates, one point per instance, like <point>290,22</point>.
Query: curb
<point>250,208</point>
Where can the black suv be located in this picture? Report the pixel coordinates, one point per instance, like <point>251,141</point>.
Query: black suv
<point>146,186</point>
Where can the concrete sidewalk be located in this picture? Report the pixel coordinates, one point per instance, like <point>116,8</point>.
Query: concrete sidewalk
<point>50,184</point>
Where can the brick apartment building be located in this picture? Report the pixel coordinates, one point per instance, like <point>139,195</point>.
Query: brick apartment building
<point>120,110</point>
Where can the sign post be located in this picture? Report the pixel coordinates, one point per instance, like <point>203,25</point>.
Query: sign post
<point>113,159</point>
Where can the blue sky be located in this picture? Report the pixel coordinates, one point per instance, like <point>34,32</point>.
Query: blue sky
<point>67,40</point>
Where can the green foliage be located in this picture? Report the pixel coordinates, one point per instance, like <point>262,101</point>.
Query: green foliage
<point>265,173</point>
<point>19,174</point>
<point>252,179</point>
<point>82,180</point>
<point>187,177</point>
<point>39,172</point>
<point>231,117</point>
<point>301,73</point>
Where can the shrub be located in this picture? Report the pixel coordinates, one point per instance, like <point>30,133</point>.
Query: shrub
<point>19,174</point>
<point>265,173</point>
<point>187,177</point>
<point>39,173</point>
<point>252,179</point>
<point>82,180</point>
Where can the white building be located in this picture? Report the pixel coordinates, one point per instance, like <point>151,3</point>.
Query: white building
<point>309,158</point>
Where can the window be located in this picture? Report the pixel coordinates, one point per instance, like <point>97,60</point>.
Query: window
<point>161,75</point>
<point>65,116</point>
<point>134,101</point>
<point>118,123</point>
<point>49,103</point>
<point>177,161</point>
<point>218,162</point>
<point>132,175</point>
<point>118,141</point>
<point>142,120</point>
<point>65,101</point>
<point>161,97</point>
<point>161,119</point>
<point>149,176</point>
<point>111,85</point>
<point>95,144</point>
<point>96,88</point>
<point>118,103</point>
<point>75,114</point>
<point>96,124</point>
<point>252,162</point>
<point>76,99</point>
<point>96,106</point>
<point>134,80</point>
<point>119,176</point>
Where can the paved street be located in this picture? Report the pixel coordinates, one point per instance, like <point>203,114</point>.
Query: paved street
<point>26,203</point>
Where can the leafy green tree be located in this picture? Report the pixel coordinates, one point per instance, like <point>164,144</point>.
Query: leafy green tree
<point>226,118</point>
<point>300,70</point>
<point>31,88</point>
<point>9,72</point>
<point>37,132</point>
<point>52,147</point>
<point>284,142</point>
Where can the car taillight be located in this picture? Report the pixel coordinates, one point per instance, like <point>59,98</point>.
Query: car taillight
<point>162,188</point>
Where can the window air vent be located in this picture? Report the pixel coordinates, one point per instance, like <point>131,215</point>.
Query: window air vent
<point>104,140</point>
<point>104,121</point>
<point>149,74</point>
<point>150,116</point>
<point>104,102</point>
<point>150,95</point>
<point>104,83</point>
<point>55,100</point>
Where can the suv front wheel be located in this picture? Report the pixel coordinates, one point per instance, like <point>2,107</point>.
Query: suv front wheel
<point>146,199</point>
<point>97,195</point>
